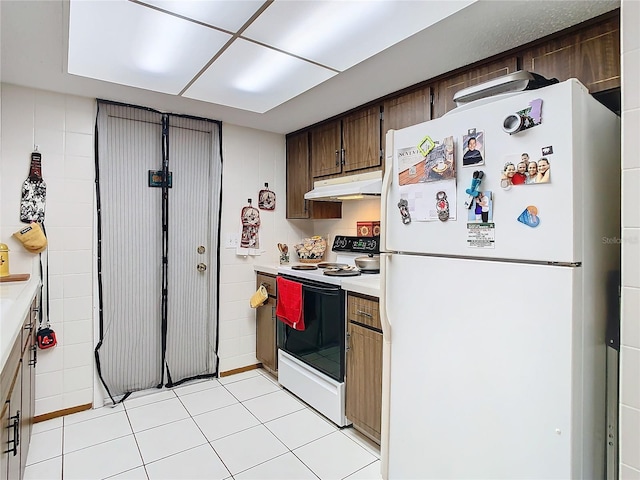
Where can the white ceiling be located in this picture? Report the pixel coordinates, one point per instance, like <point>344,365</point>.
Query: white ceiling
<point>35,52</point>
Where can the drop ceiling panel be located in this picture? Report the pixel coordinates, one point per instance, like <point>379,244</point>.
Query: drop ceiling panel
<point>226,14</point>
<point>129,44</point>
<point>255,78</point>
<point>340,34</point>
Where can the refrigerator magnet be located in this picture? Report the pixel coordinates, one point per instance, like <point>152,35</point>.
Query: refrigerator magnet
<point>473,145</point>
<point>473,190</point>
<point>403,205</point>
<point>529,216</point>
<point>442,206</point>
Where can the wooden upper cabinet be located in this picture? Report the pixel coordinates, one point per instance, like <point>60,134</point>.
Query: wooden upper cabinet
<point>446,88</point>
<point>361,139</point>
<point>591,55</point>
<point>299,183</point>
<point>326,149</point>
<point>298,177</point>
<point>406,110</point>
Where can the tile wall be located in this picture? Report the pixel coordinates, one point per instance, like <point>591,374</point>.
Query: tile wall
<point>630,335</point>
<point>62,128</point>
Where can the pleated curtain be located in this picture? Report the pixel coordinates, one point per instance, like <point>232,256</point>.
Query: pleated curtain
<point>140,345</point>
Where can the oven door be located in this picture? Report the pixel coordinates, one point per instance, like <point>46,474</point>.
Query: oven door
<point>321,344</point>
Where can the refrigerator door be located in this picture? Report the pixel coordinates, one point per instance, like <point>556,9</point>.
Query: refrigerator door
<point>486,372</point>
<point>580,204</point>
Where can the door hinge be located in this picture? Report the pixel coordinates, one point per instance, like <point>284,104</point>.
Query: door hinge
<point>348,347</point>
<point>431,98</point>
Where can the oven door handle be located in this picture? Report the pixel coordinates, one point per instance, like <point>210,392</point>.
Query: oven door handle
<point>321,290</point>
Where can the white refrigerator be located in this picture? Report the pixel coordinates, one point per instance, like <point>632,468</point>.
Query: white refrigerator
<point>494,325</point>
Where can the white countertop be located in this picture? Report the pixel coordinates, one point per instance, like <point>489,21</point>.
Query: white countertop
<point>15,301</point>
<point>271,269</point>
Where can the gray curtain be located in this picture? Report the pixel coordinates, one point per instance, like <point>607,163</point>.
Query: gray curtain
<point>134,339</point>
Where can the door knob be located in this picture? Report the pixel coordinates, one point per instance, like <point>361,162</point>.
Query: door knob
<point>202,267</point>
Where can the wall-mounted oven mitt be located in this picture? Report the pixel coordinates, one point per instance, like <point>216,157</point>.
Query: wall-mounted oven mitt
<point>32,238</point>
<point>258,298</point>
<point>46,338</point>
<point>34,191</point>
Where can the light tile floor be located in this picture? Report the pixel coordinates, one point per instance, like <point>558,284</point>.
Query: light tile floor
<point>243,427</point>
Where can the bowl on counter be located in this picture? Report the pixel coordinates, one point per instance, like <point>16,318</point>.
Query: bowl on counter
<point>311,250</point>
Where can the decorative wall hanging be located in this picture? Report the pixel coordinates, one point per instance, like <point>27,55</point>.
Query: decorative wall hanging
<point>266,199</point>
<point>250,217</point>
<point>34,191</point>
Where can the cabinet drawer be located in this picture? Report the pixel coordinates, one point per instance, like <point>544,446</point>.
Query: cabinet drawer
<point>364,310</point>
<point>10,371</point>
<point>269,283</point>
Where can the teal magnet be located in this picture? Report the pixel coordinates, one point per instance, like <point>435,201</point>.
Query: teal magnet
<point>530,216</point>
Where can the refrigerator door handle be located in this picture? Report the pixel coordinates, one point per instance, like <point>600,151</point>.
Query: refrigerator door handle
<point>386,186</point>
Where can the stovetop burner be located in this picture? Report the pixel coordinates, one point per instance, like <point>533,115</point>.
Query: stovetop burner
<point>304,267</point>
<point>342,273</point>
<point>332,265</point>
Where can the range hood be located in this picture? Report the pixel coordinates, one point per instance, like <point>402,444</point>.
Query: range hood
<point>352,187</point>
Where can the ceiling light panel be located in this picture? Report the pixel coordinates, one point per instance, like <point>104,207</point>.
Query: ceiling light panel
<point>343,33</point>
<point>255,78</point>
<point>225,14</point>
<point>123,42</point>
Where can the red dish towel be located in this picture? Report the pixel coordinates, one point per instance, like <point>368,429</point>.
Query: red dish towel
<point>289,306</point>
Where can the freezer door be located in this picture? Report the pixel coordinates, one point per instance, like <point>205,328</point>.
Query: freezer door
<point>579,205</point>
<point>493,373</point>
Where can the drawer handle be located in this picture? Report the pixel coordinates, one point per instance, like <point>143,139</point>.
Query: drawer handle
<point>366,314</point>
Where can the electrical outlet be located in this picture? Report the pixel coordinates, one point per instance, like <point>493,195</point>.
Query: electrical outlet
<point>232,240</point>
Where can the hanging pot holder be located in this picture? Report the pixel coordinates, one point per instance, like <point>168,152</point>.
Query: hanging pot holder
<point>266,199</point>
<point>250,217</point>
<point>34,191</point>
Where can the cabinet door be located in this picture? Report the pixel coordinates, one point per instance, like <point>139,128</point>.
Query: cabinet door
<point>361,139</point>
<point>27,403</point>
<point>298,176</point>
<point>591,55</point>
<point>13,434</point>
<point>326,149</point>
<point>446,88</point>
<point>364,380</point>
<point>266,335</point>
<point>406,110</point>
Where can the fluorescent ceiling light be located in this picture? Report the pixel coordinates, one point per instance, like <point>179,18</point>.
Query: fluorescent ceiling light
<point>126,43</point>
<point>225,14</point>
<point>197,48</point>
<point>341,34</point>
<point>255,78</point>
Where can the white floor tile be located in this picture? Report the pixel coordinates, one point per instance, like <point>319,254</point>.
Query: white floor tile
<point>248,448</point>
<point>48,470</point>
<point>225,421</point>
<point>145,397</point>
<point>47,425</point>
<point>370,472</point>
<point>135,474</point>
<point>93,413</point>
<point>207,400</point>
<point>196,386</point>
<point>198,463</point>
<point>251,388</point>
<point>103,460</point>
<point>273,405</point>
<point>97,430</point>
<point>300,428</point>
<point>44,446</point>
<point>238,376</point>
<point>284,467</point>
<point>156,414</point>
<point>169,439</point>
<point>334,456</point>
<point>369,445</point>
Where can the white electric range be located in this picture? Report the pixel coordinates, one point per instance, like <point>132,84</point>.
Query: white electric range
<point>311,362</point>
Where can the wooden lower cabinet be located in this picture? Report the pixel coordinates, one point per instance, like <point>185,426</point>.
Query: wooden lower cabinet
<point>364,368</point>
<point>266,348</point>
<point>18,401</point>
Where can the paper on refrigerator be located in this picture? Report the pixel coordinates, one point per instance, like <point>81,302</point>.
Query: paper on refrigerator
<point>421,178</point>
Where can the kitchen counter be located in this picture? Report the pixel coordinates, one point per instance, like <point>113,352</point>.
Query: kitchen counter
<point>271,269</point>
<point>15,301</point>
<point>366,284</point>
